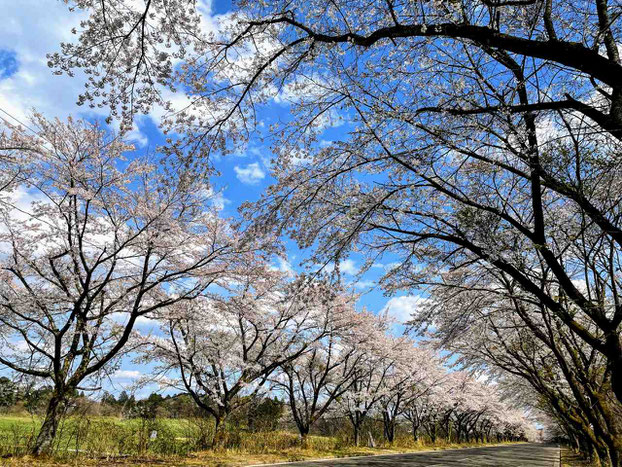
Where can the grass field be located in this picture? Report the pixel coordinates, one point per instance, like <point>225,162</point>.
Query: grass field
<point>102,435</point>
<point>115,441</point>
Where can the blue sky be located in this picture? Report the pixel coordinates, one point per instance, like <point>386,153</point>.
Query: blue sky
<point>26,83</point>
<point>8,63</point>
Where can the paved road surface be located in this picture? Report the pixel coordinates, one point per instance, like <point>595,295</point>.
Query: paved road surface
<point>517,455</point>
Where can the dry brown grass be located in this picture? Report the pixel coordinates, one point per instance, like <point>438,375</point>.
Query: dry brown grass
<point>226,458</point>
<point>573,459</point>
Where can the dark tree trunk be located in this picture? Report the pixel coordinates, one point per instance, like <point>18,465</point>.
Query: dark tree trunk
<point>357,434</point>
<point>616,379</point>
<point>304,436</point>
<point>357,422</point>
<point>432,432</point>
<point>594,456</point>
<point>53,415</point>
<point>615,363</point>
<point>252,414</point>
<point>615,454</point>
<point>415,429</point>
<point>220,434</point>
<point>389,427</point>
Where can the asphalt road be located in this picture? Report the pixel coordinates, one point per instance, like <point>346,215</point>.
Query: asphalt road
<point>516,455</point>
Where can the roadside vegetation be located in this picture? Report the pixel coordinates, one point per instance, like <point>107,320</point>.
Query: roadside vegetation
<point>99,440</point>
<point>170,429</point>
<point>573,458</point>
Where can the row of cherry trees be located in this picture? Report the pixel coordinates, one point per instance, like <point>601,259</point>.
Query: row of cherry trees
<point>305,342</point>
<point>92,243</point>
<point>477,134</point>
<point>533,356</point>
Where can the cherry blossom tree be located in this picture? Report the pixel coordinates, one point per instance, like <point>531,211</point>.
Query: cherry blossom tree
<point>137,47</point>
<point>422,412</point>
<point>464,410</point>
<point>474,405</point>
<point>225,348</point>
<point>482,138</point>
<point>11,168</point>
<point>323,374</point>
<point>415,372</point>
<point>368,385</point>
<point>95,243</point>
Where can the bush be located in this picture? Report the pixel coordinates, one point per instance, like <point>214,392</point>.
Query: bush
<point>16,439</point>
<point>199,431</point>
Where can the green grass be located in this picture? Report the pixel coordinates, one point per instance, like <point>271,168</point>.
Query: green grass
<point>108,435</point>
<point>226,457</point>
<point>7,421</point>
<point>26,422</point>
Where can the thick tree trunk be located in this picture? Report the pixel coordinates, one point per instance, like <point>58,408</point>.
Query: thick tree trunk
<point>595,457</point>
<point>601,457</point>
<point>615,363</point>
<point>616,379</point>
<point>615,452</point>
<point>220,434</point>
<point>357,434</point>
<point>389,427</point>
<point>357,421</point>
<point>415,430</point>
<point>304,437</point>
<point>53,414</point>
<point>432,433</point>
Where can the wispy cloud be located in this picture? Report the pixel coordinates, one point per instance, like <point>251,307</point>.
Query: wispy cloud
<point>250,174</point>
<point>283,265</point>
<point>402,308</point>
<point>126,374</point>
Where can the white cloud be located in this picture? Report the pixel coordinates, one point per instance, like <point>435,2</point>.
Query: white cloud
<point>22,345</point>
<point>363,284</point>
<point>144,322</point>
<point>251,174</point>
<point>135,135</point>
<point>31,31</point>
<point>401,308</point>
<point>284,266</point>
<point>217,198</point>
<point>208,21</point>
<point>219,201</point>
<point>348,267</point>
<point>126,374</point>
